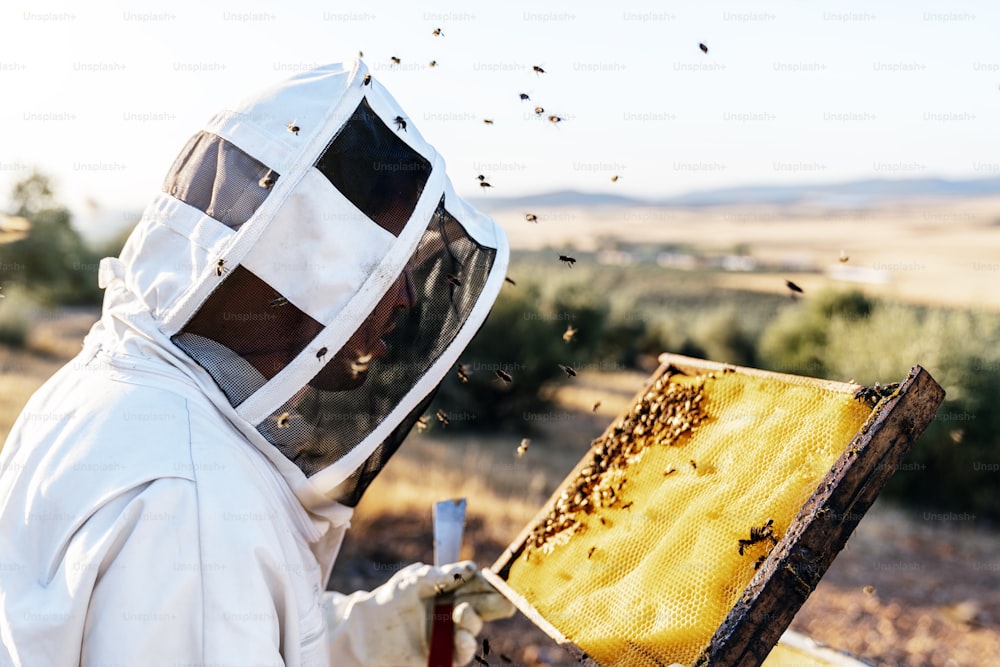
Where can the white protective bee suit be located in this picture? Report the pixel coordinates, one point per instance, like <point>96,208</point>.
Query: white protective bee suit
<point>273,328</point>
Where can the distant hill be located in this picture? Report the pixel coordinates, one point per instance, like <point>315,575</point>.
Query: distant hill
<point>853,194</point>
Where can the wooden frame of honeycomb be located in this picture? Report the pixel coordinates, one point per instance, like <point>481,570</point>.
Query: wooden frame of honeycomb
<point>792,560</point>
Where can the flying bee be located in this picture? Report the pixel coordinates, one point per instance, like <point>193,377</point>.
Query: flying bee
<point>422,424</point>
<point>505,376</point>
<point>220,267</point>
<point>321,354</point>
<point>400,123</point>
<point>537,69</point>
<point>463,374</point>
<point>539,111</point>
<point>280,301</point>
<point>360,365</point>
<point>486,647</point>
<point>843,256</point>
<point>394,59</point>
<point>759,534</point>
<point>481,177</point>
<point>590,552</point>
<point>361,54</point>
<point>283,420</point>
<point>614,179</point>
<point>569,333</point>
<point>367,80</point>
<point>510,280</point>
<point>793,288</point>
<point>432,63</point>
<point>870,590</point>
<point>488,121</point>
<point>267,180</point>
<point>293,128</point>
<point>597,404</point>
<point>437,32</point>
<point>523,447</point>
<point>556,119</point>
<point>531,217</point>
<point>568,370</point>
<point>484,184</point>
<point>524,97</point>
<point>701,45</point>
<point>442,417</point>
<point>570,261</point>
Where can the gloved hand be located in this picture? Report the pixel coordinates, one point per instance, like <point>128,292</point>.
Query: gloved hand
<point>390,626</point>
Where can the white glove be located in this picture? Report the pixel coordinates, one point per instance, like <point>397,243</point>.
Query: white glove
<point>389,627</point>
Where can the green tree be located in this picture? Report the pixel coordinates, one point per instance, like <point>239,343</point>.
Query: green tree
<point>51,262</point>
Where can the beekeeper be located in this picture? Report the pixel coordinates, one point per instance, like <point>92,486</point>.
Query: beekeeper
<point>275,325</point>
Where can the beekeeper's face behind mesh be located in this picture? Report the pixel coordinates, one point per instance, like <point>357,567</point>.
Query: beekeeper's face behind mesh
<point>331,332</point>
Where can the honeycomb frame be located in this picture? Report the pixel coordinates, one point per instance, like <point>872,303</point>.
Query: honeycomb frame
<point>795,564</point>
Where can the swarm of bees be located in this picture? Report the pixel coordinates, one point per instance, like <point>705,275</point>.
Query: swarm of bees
<point>662,415</point>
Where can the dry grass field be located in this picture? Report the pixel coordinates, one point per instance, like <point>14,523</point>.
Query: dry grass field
<point>934,596</point>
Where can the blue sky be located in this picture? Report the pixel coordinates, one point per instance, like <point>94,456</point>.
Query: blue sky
<point>103,96</point>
